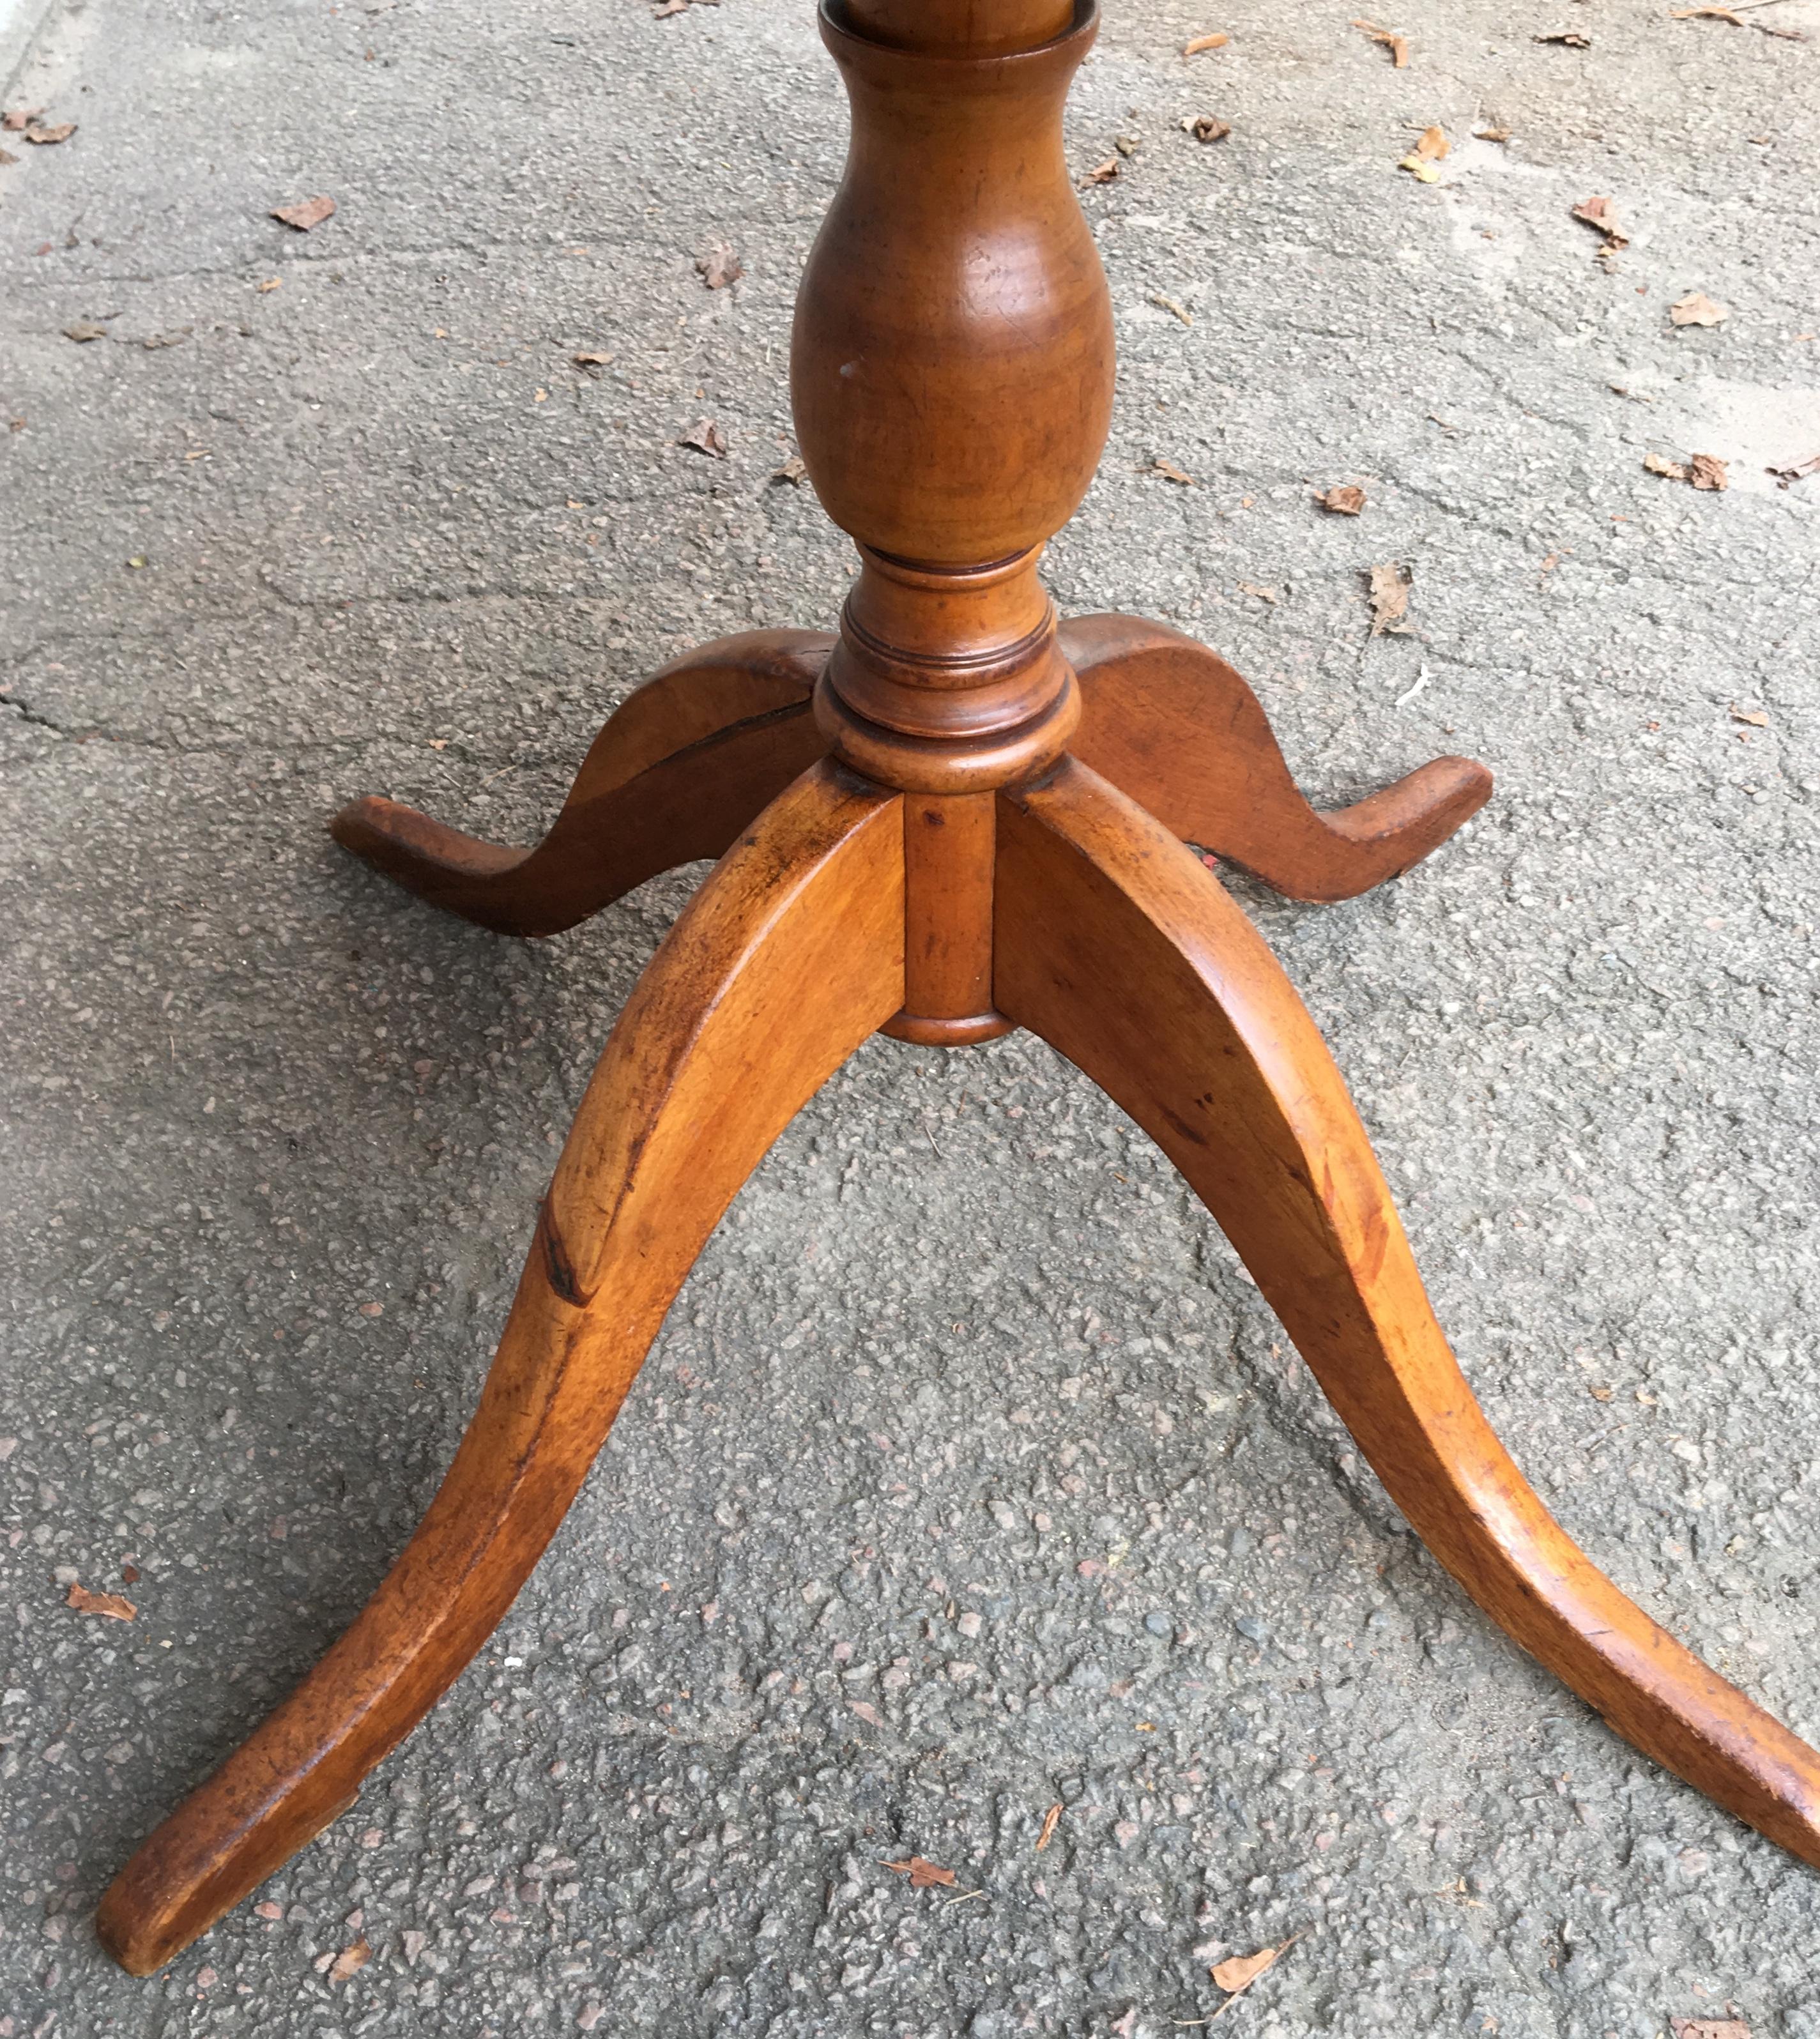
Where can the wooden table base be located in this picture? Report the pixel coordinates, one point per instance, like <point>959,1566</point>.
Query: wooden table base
<point>955,818</point>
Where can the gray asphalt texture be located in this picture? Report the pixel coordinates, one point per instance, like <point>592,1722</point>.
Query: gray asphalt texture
<point>969,1476</point>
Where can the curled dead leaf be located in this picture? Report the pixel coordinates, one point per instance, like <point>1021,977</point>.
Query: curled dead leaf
<point>1671,470</point>
<point>718,266</point>
<point>1170,472</point>
<point>350,1960</point>
<point>1389,598</point>
<point>1345,500</point>
<point>1491,133</point>
<point>1569,39</point>
<point>1601,215</point>
<point>19,118</point>
<point>591,360</point>
<point>1433,144</point>
<point>1420,168</point>
<point>117,1607</point>
<point>706,438</point>
<point>1705,470</point>
<point>1697,309</point>
<point>1755,716</point>
<point>43,137</point>
<point>795,470</point>
<point>1784,476</point>
<point>1398,45</point>
<point>1260,594</point>
<point>1198,44</point>
<point>1104,174</point>
<point>305,213</point>
<point>85,332</point>
<point>1204,127</point>
<point>922,1873</point>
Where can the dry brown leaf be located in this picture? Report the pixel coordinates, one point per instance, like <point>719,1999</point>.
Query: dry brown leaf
<point>350,1960</point>
<point>1048,1833</point>
<point>41,136</point>
<point>1262,594</point>
<point>1697,309</point>
<point>1204,127</point>
<point>270,283</point>
<point>1170,472</point>
<point>1601,215</point>
<point>20,119</point>
<point>1755,716</point>
<point>1420,168</point>
<point>706,438</point>
<point>1600,1394</point>
<point>1706,15</point>
<point>1434,143</point>
<point>718,266</point>
<point>1200,43</point>
<point>922,1873</point>
<point>1569,38</point>
<point>1344,500</point>
<point>1705,470</point>
<point>671,7</point>
<point>1786,474</point>
<point>1236,1975</point>
<point>1671,470</point>
<point>795,470</point>
<point>117,1607</point>
<point>85,332</point>
<point>1390,601</point>
<point>1104,174</point>
<point>1398,45</point>
<point>305,213</point>
<point>1169,305</point>
<point>7,156</point>
<point>591,360</point>
<point>1709,2028</point>
<point>1491,133</point>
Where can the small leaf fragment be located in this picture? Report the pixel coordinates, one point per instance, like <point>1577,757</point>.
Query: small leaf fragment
<point>1050,1820</point>
<point>718,266</point>
<point>1204,127</point>
<point>1706,15</point>
<point>117,1607</point>
<point>591,360</point>
<point>1345,500</point>
<point>1389,598</point>
<point>1237,1976</point>
<point>19,118</point>
<point>85,332</point>
<point>1198,44</point>
<point>1707,471</point>
<point>1672,470</point>
<point>1784,476</point>
<point>1434,143</point>
<point>1169,305</point>
<point>922,1873</point>
<point>1104,174</point>
<point>706,438</point>
<point>305,213</point>
<point>795,471</point>
<point>1569,38</point>
<point>1491,133</point>
<point>1398,45</point>
<point>1697,309</point>
<point>1261,594</point>
<point>1423,171</point>
<point>350,1960</point>
<point>1601,215</point>
<point>1755,716</point>
<point>1170,472</point>
<point>43,137</point>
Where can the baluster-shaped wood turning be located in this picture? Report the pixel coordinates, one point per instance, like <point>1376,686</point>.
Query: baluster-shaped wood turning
<point>936,824</point>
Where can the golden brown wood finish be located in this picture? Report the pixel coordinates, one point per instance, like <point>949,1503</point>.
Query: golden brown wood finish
<point>1121,950</point>
<point>1171,723</point>
<point>952,375</point>
<point>784,961</point>
<point>680,768</point>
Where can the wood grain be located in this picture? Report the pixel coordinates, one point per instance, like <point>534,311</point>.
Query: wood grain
<point>1172,724</point>
<point>1120,948</point>
<point>787,959</point>
<point>677,772</point>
